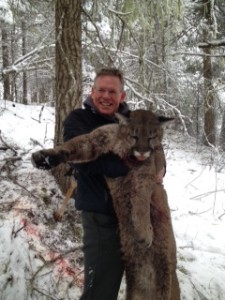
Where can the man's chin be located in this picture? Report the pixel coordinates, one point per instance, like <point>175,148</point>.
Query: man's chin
<point>106,110</point>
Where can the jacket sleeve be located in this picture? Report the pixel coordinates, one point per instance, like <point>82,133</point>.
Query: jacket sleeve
<point>109,165</point>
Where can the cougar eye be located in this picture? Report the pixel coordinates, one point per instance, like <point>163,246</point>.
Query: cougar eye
<point>134,134</point>
<point>135,137</point>
<point>152,136</point>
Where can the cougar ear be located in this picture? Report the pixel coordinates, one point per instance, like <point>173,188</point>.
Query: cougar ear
<point>164,120</point>
<point>123,120</point>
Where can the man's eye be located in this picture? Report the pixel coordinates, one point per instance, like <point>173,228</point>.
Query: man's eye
<point>112,93</point>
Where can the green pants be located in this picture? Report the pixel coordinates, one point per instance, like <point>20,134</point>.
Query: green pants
<point>103,265</point>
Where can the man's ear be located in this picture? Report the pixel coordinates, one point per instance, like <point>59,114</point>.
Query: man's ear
<point>92,91</point>
<point>123,96</point>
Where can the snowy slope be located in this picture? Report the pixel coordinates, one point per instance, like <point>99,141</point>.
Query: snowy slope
<point>42,259</point>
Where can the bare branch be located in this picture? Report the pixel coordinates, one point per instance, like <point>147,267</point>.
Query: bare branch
<point>127,25</point>
<point>22,63</point>
<point>120,12</point>
<point>195,54</point>
<point>99,36</point>
<point>214,43</point>
<point>13,179</point>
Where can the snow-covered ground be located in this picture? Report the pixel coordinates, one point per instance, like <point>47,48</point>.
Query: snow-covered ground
<point>41,259</point>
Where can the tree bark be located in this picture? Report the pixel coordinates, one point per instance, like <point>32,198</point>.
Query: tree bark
<point>209,116</point>
<point>68,61</point>
<point>68,71</point>
<point>13,52</point>
<point>5,62</point>
<point>222,133</point>
<point>24,51</point>
<point>209,113</point>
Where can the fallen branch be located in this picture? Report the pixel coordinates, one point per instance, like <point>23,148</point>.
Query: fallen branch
<point>6,145</point>
<point>36,142</point>
<point>12,159</point>
<point>13,179</point>
<point>206,194</point>
<point>15,232</point>
<point>52,261</point>
<point>44,293</point>
<point>220,217</point>
<point>200,294</point>
<point>40,115</point>
<point>199,213</point>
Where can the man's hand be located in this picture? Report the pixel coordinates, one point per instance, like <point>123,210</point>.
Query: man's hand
<point>48,159</point>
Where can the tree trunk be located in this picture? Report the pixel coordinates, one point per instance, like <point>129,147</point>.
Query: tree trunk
<point>68,61</point>
<point>13,80</point>
<point>5,62</point>
<point>222,133</point>
<point>209,113</point>
<point>68,70</point>
<point>24,50</point>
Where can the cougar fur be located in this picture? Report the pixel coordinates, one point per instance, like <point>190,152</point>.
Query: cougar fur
<point>141,205</point>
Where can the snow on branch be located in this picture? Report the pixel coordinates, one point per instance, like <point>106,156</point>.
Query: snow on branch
<point>99,35</point>
<point>195,54</point>
<point>214,43</point>
<point>22,64</point>
<point>120,12</point>
<point>160,101</point>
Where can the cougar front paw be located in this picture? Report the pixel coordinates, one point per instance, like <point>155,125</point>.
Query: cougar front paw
<point>47,159</point>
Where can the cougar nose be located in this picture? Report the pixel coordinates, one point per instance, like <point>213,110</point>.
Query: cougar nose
<point>140,155</point>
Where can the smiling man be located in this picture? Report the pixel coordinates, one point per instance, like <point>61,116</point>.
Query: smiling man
<point>107,93</point>
<point>103,265</point>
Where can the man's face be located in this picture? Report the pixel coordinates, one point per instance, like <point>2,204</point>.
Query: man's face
<point>107,94</point>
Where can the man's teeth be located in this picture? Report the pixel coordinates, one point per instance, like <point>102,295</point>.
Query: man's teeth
<point>106,104</point>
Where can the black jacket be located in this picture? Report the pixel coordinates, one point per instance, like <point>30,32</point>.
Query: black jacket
<point>92,192</point>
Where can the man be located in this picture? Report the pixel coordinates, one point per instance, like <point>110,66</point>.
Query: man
<point>101,245</point>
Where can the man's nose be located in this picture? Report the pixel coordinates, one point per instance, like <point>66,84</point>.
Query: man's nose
<point>106,94</point>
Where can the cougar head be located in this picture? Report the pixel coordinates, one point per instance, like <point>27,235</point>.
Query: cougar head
<point>145,129</point>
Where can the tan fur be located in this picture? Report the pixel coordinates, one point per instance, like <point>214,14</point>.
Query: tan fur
<point>147,238</point>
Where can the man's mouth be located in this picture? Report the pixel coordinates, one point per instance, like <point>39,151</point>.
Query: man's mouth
<point>105,104</point>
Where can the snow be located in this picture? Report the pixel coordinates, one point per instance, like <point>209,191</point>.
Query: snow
<point>42,259</point>
<point>5,12</point>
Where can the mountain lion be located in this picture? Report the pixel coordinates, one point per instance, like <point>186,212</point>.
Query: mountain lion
<point>146,233</point>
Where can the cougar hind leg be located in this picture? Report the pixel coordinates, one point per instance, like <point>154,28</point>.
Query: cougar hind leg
<point>141,279</point>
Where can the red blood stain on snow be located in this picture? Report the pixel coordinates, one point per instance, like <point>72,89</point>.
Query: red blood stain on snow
<point>62,266</point>
<point>30,228</point>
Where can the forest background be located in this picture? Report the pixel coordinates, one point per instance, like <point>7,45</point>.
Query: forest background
<point>172,53</point>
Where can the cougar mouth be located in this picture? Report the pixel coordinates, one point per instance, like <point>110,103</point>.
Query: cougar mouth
<point>141,156</point>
